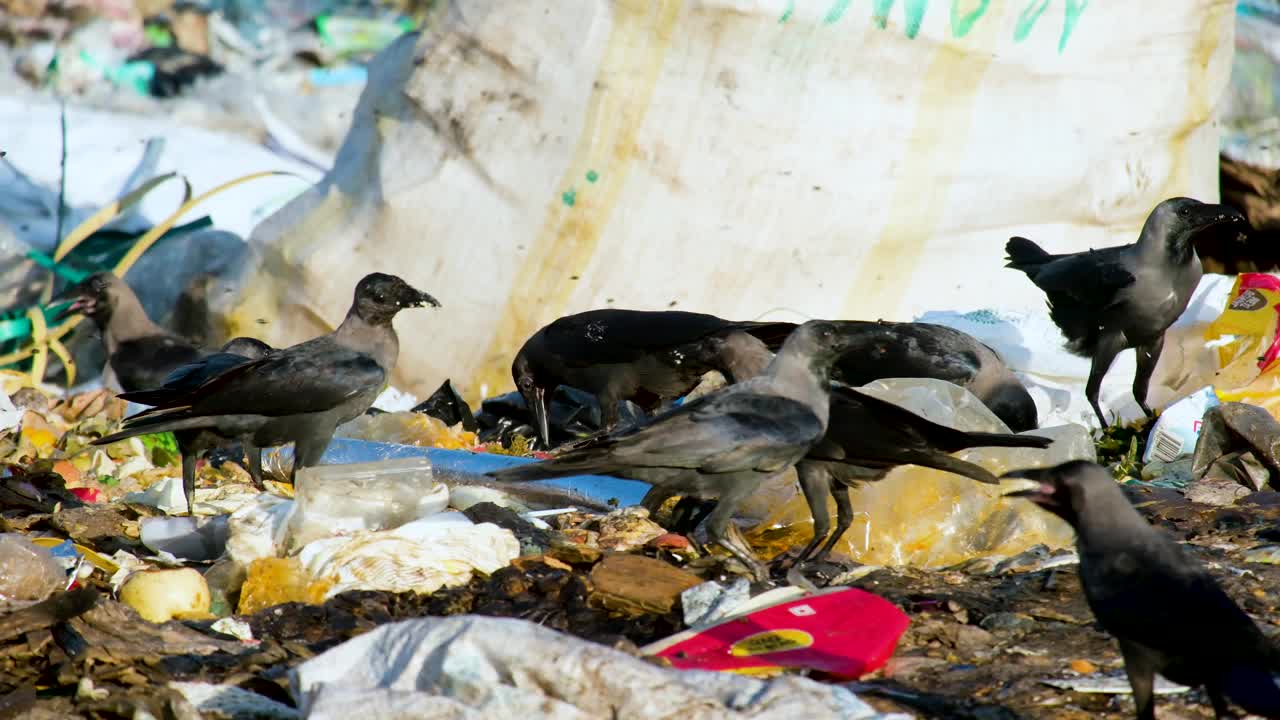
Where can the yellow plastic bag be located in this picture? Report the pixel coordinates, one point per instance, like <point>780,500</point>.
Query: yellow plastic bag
<point>1245,336</point>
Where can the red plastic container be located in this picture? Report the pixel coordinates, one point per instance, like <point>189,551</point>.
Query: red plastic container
<point>843,632</point>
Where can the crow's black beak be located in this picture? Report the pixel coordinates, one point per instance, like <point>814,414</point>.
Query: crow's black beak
<point>416,298</point>
<point>1224,216</point>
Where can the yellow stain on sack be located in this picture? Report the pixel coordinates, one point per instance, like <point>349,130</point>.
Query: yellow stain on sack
<point>623,89</point>
<point>1201,99</point>
<point>938,144</point>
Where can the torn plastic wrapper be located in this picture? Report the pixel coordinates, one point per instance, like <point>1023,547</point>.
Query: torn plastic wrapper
<point>843,632</point>
<point>28,573</point>
<point>259,529</point>
<point>167,495</point>
<point>60,547</point>
<point>408,428</point>
<point>447,406</point>
<point>1176,431</point>
<point>1245,336</point>
<point>927,518</point>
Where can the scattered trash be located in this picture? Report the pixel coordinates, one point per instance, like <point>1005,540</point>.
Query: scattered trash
<point>447,406</point>
<point>187,538</point>
<point>161,595</point>
<point>10,416</point>
<point>393,400</point>
<point>1268,554</point>
<point>1113,684</point>
<point>500,667</point>
<point>924,517</point>
<point>420,556</point>
<point>462,497</point>
<point>628,529</point>
<point>344,499</point>
<point>1176,474</point>
<point>1175,432</point>
<point>166,495</point>
<point>636,585</point>
<point>236,628</point>
<point>231,701</point>
<point>1219,492</point>
<point>171,69</point>
<point>28,573</point>
<point>259,529</point>
<point>842,632</point>
<point>274,581</point>
<point>711,602</point>
<point>409,428</point>
<point>1247,343</point>
<point>1239,442</point>
<point>349,35</point>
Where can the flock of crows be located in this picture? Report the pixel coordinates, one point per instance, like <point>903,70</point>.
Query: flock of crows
<point>789,402</point>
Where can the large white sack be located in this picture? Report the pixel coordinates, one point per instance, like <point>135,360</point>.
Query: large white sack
<point>766,158</point>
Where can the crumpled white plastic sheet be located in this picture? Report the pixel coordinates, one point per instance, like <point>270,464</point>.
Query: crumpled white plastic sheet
<point>260,529</point>
<point>441,549</point>
<point>481,667</point>
<point>1033,347</point>
<point>420,556</point>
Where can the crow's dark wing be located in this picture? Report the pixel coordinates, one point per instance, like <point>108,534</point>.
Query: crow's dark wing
<point>144,362</point>
<point>185,379</point>
<point>312,377</point>
<point>190,377</point>
<point>1092,278</point>
<point>867,427</point>
<point>772,334</point>
<point>884,349</point>
<point>721,433</point>
<point>1083,290</point>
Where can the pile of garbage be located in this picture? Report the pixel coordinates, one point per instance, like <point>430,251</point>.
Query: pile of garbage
<point>216,607</point>
<point>288,71</point>
<point>395,576</point>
